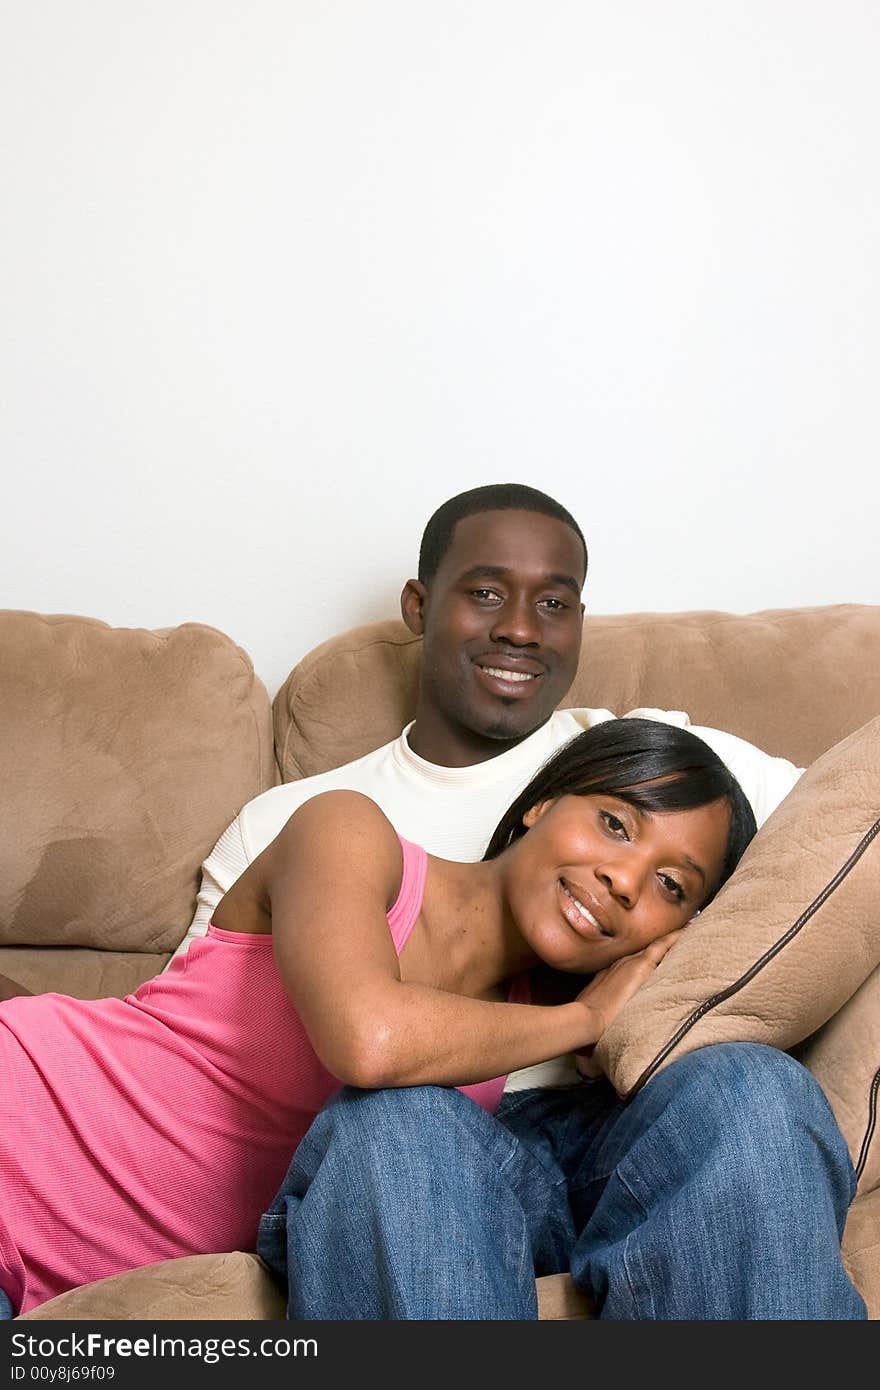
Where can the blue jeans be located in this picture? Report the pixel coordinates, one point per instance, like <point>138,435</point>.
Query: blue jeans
<point>719,1192</point>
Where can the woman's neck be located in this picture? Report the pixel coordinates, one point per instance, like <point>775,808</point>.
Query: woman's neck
<point>469,936</point>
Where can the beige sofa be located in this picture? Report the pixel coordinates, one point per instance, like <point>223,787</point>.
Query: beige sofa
<point>124,753</point>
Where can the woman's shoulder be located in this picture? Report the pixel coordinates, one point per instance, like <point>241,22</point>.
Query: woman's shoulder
<point>337,839</point>
<point>337,808</point>
<point>336,822</point>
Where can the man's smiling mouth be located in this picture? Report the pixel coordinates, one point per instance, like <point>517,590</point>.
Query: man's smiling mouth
<point>513,676</point>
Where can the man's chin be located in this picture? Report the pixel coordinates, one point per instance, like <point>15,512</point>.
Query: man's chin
<point>512,729</point>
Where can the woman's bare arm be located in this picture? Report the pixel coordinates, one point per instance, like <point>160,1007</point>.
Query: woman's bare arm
<point>330,877</point>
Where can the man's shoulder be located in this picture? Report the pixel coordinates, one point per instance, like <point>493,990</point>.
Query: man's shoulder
<point>565,723</point>
<point>345,777</point>
<point>765,778</point>
<point>262,818</point>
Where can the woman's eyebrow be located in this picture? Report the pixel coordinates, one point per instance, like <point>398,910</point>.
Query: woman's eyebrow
<point>686,860</point>
<point>692,864</point>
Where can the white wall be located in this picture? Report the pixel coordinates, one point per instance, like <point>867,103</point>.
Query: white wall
<point>277,278</point>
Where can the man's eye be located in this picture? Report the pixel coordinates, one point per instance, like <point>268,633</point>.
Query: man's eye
<point>485,595</point>
<point>555,605</point>
<point>672,886</point>
<point>615,824</point>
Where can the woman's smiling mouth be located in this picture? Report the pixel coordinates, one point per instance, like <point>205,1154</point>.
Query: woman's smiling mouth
<point>579,916</point>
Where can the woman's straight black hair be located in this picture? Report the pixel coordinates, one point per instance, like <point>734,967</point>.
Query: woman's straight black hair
<point>651,765</point>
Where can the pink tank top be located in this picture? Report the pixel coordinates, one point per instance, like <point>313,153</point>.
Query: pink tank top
<point>162,1124</point>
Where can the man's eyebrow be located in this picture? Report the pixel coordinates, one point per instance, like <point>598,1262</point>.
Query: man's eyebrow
<point>502,572</point>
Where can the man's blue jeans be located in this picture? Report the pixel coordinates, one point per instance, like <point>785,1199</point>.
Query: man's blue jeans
<point>719,1192</point>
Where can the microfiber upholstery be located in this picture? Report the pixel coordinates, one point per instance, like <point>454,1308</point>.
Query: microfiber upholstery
<point>792,937</point>
<point>844,1056</point>
<point>793,681</point>
<point>345,698</point>
<point>124,755</point>
<point>234,1286</point>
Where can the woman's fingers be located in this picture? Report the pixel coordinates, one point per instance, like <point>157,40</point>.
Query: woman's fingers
<point>613,987</point>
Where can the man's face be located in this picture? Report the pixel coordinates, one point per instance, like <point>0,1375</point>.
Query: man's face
<point>502,631</point>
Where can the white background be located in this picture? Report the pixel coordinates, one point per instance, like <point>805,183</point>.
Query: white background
<point>279,277</point>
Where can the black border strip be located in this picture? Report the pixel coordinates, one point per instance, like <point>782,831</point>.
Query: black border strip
<point>759,965</point>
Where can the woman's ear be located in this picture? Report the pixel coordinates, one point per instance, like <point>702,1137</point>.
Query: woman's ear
<point>534,813</point>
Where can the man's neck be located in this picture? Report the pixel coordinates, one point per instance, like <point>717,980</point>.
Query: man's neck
<point>437,743</point>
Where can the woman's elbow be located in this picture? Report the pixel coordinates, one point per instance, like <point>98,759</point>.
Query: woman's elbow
<point>368,1060</point>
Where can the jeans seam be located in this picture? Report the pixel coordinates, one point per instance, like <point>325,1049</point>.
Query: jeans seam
<point>630,1282</point>
<point>554,1226</point>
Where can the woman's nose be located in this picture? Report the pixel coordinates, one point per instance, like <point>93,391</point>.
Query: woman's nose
<point>622,879</point>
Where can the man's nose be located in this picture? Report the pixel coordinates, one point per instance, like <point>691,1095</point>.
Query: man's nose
<point>517,623</point>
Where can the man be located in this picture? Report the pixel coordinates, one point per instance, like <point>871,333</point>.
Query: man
<point>406,1204</point>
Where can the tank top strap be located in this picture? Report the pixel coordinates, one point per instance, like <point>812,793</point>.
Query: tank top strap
<point>408,903</point>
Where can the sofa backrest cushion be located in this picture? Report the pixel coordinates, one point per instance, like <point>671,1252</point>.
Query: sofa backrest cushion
<point>790,938</point>
<point>793,681</point>
<point>124,754</point>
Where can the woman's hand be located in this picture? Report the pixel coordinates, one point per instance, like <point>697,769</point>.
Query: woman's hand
<point>608,991</point>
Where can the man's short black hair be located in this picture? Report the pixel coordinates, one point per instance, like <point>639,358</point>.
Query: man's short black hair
<point>494,497</point>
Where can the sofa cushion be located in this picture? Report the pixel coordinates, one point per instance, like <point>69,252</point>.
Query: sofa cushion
<point>792,681</point>
<point>788,941</point>
<point>861,1249</point>
<point>194,1288</point>
<point>844,1056</point>
<point>123,755</point>
<point>199,1288</point>
<point>345,698</point>
<point>80,970</point>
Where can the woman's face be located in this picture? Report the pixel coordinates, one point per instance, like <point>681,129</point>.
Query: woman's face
<point>595,879</point>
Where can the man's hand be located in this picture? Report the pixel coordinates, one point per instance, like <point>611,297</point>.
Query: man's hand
<point>608,991</point>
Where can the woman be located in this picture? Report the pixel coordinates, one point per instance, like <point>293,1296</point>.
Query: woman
<point>346,955</point>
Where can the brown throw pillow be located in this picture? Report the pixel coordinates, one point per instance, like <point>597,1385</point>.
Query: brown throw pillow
<point>844,1056</point>
<point>788,941</point>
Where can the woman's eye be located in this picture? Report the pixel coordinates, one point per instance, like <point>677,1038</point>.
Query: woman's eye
<point>615,824</point>
<point>672,886</point>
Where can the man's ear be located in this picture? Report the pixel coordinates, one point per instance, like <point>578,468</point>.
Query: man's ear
<point>534,813</point>
<point>413,599</point>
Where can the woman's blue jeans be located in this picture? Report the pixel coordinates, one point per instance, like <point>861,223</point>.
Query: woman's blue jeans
<point>719,1192</point>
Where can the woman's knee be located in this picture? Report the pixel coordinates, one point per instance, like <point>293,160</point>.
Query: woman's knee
<point>745,1072</point>
<point>755,1090</point>
<point>371,1121</point>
